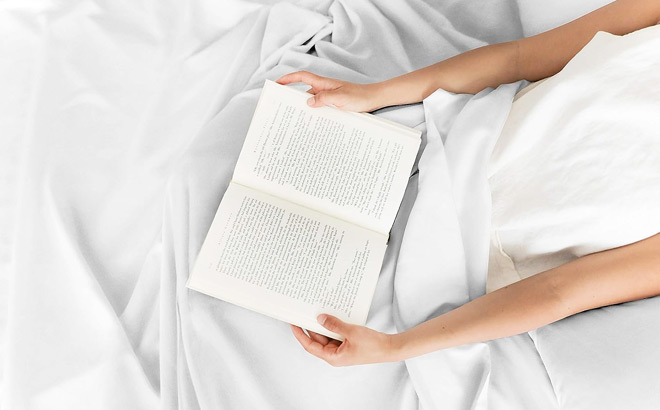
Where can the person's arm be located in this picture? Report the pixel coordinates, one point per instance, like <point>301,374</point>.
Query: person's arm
<point>531,58</point>
<point>614,276</point>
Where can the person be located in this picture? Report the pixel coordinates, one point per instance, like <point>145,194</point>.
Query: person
<point>609,277</point>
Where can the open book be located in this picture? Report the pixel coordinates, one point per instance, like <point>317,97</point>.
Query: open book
<point>303,227</point>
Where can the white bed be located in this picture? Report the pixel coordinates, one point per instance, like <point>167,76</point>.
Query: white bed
<point>120,127</point>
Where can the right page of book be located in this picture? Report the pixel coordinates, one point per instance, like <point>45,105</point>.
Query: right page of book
<point>352,166</point>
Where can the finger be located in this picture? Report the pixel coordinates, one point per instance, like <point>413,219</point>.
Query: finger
<point>301,77</point>
<point>324,340</point>
<point>328,353</point>
<point>311,346</point>
<point>289,78</point>
<point>334,324</point>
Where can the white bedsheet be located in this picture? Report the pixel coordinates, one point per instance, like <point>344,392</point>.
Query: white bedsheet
<point>121,123</point>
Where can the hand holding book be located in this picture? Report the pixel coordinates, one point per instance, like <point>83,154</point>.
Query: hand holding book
<point>341,94</point>
<point>361,345</point>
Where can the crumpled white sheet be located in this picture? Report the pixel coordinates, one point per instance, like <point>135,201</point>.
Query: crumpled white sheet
<point>122,127</point>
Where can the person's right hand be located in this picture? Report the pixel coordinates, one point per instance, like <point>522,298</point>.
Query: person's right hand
<point>342,94</point>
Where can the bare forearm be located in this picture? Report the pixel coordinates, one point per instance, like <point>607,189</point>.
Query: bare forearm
<point>531,58</point>
<point>469,72</point>
<point>515,309</point>
<point>619,275</point>
<point>547,53</point>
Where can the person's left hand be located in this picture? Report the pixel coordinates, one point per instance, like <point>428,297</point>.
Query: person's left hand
<point>361,345</point>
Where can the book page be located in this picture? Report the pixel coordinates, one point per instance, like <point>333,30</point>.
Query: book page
<point>352,166</point>
<point>287,261</point>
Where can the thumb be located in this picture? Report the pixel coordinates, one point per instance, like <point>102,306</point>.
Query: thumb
<point>334,324</point>
<point>322,98</point>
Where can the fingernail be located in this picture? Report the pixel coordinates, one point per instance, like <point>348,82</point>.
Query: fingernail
<point>321,319</point>
<point>310,101</point>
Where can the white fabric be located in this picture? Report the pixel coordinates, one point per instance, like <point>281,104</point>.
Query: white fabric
<point>518,378</point>
<point>538,16</point>
<point>444,255</point>
<point>577,171</point>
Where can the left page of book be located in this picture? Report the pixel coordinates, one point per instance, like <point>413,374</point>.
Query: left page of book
<point>353,166</point>
<point>287,261</point>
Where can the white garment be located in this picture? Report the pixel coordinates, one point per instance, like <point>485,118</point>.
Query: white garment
<point>576,169</point>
